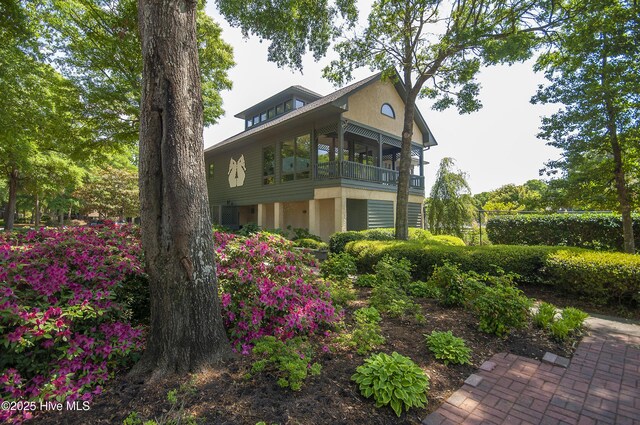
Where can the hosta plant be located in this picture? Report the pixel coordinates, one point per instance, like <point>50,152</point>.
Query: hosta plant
<point>393,380</point>
<point>448,348</point>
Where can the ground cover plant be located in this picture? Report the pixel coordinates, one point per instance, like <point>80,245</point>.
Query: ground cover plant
<point>448,348</point>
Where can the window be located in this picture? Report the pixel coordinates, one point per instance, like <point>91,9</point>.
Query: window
<point>387,110</point>
<point>288,105</point>
<point>249,123</point>
<point>256,119</point>
<point>295,157</point>
<point>287,158</point>
<point>303,156</point>
<point>298,103</point>
<point>279,109</point>
<point>271,113</point>
<point>269,165</point>
<point>263,116</point>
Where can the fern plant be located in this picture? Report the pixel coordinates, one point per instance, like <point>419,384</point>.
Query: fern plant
<point>393,380</point>
<point>545,315</point>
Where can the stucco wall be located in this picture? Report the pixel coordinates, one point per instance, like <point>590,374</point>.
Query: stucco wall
<point>296,214</point>
<point>365,104</point>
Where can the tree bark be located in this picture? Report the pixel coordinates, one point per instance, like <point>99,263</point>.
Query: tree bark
<point>10,211</point>
<point>186,329</point>
<point>36,210</point>
<point>402,198</point>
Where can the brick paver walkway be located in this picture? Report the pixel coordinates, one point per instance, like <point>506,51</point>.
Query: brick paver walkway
<point>600,385</point>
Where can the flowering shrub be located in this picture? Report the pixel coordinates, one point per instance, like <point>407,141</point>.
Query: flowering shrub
<point>268,289</point>
<point>63,330</point>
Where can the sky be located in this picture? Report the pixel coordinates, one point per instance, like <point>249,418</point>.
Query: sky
<point>494,146</point>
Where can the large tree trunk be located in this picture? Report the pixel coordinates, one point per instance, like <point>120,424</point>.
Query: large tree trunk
<point>10,211</point>
<point>402,198</point>
<point>622,192</point>
<point>186,331</point>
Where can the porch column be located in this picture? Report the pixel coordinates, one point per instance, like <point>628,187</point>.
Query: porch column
<point>340,214</point>
<point>379,150</point>
<point>340,139</point>
<point>278,213</point>
<point>314,223</point>
<point>260,215</point>
<point>421,162</point>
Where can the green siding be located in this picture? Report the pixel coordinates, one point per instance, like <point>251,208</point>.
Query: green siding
<point>379,214</point>
<point>415,215</point>
<point>356,214</point>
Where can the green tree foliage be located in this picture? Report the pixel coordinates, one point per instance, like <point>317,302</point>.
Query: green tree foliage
<point>593,72</point>
<point>438,47</point>
<point>293,26</point>
<point>99,46</point>
<point>449,208</point>
<point>111,191</point>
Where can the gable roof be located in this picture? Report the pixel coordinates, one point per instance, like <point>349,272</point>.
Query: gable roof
<point>336,99</point>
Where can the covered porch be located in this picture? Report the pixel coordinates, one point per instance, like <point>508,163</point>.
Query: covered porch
<point>356,152</point>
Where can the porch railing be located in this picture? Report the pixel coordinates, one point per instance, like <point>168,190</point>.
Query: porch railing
<point>356,171</point>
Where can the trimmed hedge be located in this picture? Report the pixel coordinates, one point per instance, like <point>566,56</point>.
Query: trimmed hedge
<point>611,277</point>
<point>595,231</point>
<point>527,261</point>
<point>338,240</point>
<point>607,276</point>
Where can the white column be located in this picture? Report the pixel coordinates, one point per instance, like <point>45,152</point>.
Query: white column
<point>260,215</point>
<point>340,214</point>
<point>314,224</point>
<point>278,213</point>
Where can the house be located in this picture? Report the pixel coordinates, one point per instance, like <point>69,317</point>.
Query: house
<point>326,163</point>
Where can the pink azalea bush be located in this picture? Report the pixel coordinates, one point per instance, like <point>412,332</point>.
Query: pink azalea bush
<point>267,288</point>
<point>63,332</point>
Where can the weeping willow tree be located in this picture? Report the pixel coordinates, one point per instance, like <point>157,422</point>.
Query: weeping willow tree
<point>449,207</point>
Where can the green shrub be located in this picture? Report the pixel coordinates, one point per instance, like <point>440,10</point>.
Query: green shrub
<point>449,348</point>
<point>367,315</point>
<point>339,240</point>
<point>595,231</point>
<point>289,361</point>
<point>366,334</point>
<point>451,282</point>
<point>392,300</point>
<point>393,380</point>
<point>526,261</point>
<point>445,240</point>
<point>310,243</point>
<point>610,277</point>
<point>338,266</point>
<point>573,317</point>
<point>501,308</point>
<point>341,291</point>
<point>391,271</point>
<point>544,317</point>
<point>303,233</point>
<point>366,280</point>
<point>422,289</point>
<point>388,294</point>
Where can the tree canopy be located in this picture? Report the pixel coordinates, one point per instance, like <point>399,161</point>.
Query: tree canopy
<point>593,70</point>
<point>438,48</point>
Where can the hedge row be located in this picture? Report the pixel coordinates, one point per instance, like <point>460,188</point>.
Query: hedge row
<point>610,277</point>
<point>596,231</point>
<point>338,240</point>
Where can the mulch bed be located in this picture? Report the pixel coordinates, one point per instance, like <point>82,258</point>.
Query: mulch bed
<point>226,396</point>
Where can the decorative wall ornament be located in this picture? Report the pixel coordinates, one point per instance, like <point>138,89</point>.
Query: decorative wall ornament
<point>237,172</point>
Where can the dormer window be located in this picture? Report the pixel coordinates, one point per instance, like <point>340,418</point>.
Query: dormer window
<point>387,110</point>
